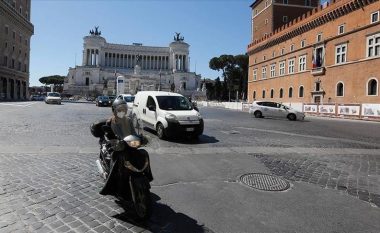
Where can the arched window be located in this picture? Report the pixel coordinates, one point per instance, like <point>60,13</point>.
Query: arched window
<point>300,93</point>
<point>339,89</point>
<point>281,93</point>
<point>372,87</point>
<point>290,92</point>
<point>263,93</point>
<point>271,93</point>
<point>254,95</point>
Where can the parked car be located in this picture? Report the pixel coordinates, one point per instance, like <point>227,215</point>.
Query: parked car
<point>103,100</point>
<point>53,98</point>
<point>127,98</point>
<point>36,98</point>
<point>272,109</point>
<point>112,98</point>
<point>168,113</point>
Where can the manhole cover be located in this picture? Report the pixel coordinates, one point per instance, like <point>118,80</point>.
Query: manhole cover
<point>264,182</point>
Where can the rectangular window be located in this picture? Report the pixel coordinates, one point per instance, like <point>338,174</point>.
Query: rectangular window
<point>341,29</point>
<point>374,17</point>
<point>273,70</point>
<point>285,1</point>
<point>13,64</point>
<point>340,53</point>
<point>266,3</point>
<point>319,37</point>
<point>284,19</point>
<point>373,45</point>
<point>14,35</point>
<point>255,74</point>
<point>273,54</point>
<point>292,48</point>
<point>282,68</point>
<point>6,45</point>
<point>303,43</point>
<point>302,63</point>
<point>282,51</point>
<point>264,58</point>
<point>19,66</point>
<point>264,72</point>
<point>6,30</point>
<point>291,66</point>
<point>266,21</point>
<point>20,38</point>
<point>5,62</point>
<point>307,2</point>
<point>318,57</point>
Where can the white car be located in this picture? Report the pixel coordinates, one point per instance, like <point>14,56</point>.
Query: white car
<point>53,98</point>
<point>169,114</point>
<point>127,98</point>
<point>272,109</point>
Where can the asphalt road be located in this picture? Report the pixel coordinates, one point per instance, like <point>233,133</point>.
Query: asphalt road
<point>49,182</point>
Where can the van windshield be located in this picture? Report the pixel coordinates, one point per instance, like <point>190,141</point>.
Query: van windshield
<point>173,103</point>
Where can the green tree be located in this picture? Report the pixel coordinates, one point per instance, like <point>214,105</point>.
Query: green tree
<point>234,71</point>
<point>56,80</point>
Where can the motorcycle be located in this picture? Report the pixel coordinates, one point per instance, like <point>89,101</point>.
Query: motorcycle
<point>124,165</point>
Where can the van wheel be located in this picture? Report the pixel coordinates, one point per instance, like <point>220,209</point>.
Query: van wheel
<point>160,131</point>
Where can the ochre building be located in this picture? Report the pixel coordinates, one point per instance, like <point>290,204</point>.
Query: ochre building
<point>15,33</point>
<point>327,55</point>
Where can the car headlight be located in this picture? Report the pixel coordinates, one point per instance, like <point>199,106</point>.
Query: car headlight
<point>199,116</point>
<point>170,117</point>
<point>100,101</point>
<point>134,144</point>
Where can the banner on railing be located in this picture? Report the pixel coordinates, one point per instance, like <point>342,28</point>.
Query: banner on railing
<point>352,110</point>
<point>371,110</point>
<point>327,109</point>
<point>311,108</point>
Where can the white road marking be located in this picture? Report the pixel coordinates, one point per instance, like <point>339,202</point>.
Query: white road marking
<point>18,104</point>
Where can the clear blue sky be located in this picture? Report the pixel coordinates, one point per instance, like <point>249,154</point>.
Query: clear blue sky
<point>211,27</point>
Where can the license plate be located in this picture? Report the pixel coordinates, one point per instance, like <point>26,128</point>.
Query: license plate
<point>189,129</point>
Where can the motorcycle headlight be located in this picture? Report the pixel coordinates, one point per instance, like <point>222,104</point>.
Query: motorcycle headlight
<point>134,144</point>
<point>170,117</point>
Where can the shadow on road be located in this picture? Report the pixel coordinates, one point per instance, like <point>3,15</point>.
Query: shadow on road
<point>163,219</point>
<point>202,139</point>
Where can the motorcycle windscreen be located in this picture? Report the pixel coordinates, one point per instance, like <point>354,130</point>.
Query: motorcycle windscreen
<point>123,127</point>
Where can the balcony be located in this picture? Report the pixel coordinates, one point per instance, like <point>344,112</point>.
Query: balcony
<point>318,71</point>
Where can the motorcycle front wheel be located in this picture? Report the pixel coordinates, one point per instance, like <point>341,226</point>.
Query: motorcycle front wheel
<point>142,201</point>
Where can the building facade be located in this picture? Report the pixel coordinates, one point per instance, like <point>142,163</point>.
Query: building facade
<point>268,15</point>
<point>16,31</point>
<point>330,55</point>
<point>143,68</point>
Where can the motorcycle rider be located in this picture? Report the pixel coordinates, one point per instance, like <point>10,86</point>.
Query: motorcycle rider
<point>121,125</point>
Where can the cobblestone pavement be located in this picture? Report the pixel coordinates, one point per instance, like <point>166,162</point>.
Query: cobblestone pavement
<point>355,175</point>
<point>59,193</point>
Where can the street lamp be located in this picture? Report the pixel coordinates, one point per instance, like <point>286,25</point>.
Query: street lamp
<point>159,86</point>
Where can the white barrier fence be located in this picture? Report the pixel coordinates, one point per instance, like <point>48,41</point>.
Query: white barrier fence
<point>365,110</point>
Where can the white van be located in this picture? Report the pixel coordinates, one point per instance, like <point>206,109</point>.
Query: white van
<point>168,113</point>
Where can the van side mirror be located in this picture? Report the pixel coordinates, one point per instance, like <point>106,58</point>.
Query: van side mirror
<point>152,108</point>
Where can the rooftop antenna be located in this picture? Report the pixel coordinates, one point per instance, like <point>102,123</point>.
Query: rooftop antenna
<point>75,60</point>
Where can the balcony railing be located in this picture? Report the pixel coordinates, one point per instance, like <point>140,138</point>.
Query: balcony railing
<point>318,71</point>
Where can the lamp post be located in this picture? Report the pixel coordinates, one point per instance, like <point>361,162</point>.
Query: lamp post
<point>159,86</point>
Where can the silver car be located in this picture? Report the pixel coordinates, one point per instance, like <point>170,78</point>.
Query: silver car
<point>272,109</point>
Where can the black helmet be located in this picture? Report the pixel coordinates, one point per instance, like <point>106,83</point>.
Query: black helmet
<point>119,105</point>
